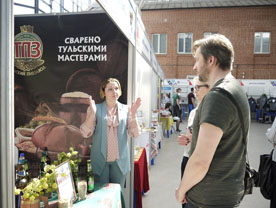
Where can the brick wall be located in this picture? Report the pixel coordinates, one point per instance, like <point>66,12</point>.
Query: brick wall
<point>238,24</point>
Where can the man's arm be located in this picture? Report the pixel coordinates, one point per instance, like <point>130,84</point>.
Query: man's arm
<point>178,101</point>
<point>198,164</point>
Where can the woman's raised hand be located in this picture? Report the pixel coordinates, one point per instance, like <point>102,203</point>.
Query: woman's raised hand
<point>135,106</point>
<point>92,105</point>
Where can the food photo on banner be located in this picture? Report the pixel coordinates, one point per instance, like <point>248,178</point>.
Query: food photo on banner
<point>61,60</point>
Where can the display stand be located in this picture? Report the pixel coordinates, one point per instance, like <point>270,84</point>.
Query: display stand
<point>143,140</point>
<point>156,138</point>
<point>64,179</point>
<point>141,177</point>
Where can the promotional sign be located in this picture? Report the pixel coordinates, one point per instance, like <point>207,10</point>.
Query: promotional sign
<point>61,60</point>
<point>257,87</point>
<point>65,183</point>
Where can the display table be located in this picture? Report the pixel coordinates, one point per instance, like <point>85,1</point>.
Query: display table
<point>156,138</point>
<point>109,196</point>
<point>141,177</point>
<point>144,140</point>
<point>104,196</point>
<point>167,123</point>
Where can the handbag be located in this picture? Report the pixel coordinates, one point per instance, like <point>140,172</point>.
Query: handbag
<point>251,177</point>
<point>266,178</point>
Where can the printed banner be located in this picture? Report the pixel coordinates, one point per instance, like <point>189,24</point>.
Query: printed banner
<point>61,60</point>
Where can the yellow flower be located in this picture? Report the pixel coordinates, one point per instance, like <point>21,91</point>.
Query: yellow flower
<point>32,198</point>
<point>29,187</point>
<point>17,191</point>
<point>26,195</point>
<point>59,157</point>
<point>45,186</point>
<point>54,185</point>
<point>40,187</point>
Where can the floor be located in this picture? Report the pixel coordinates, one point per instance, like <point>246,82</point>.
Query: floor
<point>165,173</point>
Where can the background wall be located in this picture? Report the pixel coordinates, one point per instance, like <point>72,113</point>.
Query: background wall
<point>237,23</point>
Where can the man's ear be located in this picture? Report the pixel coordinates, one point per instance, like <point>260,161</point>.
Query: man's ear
<point>212,61</point>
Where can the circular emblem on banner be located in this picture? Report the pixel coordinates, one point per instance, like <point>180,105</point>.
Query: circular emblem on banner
<point>28,51</point>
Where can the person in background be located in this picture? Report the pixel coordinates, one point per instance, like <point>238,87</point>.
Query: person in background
<point>271,135</point>
<point>191,101</point>
<point>201,89</point>
<point>176,108</point>
<point>166,99</point>
<point>108,123</point>
<point>214,174</point>
<point>168,107</point>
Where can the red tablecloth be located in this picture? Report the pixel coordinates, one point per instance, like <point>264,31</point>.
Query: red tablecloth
<point>141,177</point>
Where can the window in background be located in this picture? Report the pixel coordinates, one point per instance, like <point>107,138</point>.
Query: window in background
<point>44,7</point>
<point>75,7</point>
<point>55,7</point>
<point>262,43</point>
<point>184,42</point>
<point>159,42</point>
<point>25,2</point>
<point>22,10</point>
<point>68,6</point>
<point>51,6</point>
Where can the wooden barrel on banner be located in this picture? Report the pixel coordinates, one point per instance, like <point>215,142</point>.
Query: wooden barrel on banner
<point>117,59</point>
<point>73,110</point>
<point>87,80</point>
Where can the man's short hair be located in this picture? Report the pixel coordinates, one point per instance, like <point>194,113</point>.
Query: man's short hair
<point>216,45</point>
<point>178,89</point>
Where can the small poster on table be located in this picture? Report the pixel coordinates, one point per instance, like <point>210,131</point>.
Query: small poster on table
<point>66,188</point>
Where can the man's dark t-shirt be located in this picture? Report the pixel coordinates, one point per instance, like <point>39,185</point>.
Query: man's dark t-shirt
<point>222,186</point>
<point>190,96</point>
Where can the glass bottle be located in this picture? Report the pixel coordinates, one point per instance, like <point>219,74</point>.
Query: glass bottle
<point>45,160</point>
<point>48,159</point>
<point>90,177</point>
<point>76,180</point>
<point>21,179</point>
<point>26,169</point>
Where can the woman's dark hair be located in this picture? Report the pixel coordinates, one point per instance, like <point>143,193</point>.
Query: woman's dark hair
<point>168,105</point>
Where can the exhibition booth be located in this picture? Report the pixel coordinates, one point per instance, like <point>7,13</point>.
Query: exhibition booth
<point>62,59</point>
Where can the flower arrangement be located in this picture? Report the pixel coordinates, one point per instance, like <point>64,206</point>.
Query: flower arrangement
<point>47,184</point>
<point>72,156</point>
<point>31,191</point>
<point>40,186</point>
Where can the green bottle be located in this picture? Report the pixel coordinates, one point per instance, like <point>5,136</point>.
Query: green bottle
<point>45,160</point>
<point>76,180</point>
<point>90,177</point>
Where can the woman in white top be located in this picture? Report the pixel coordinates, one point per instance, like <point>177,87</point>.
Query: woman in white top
<point>201,89</point>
